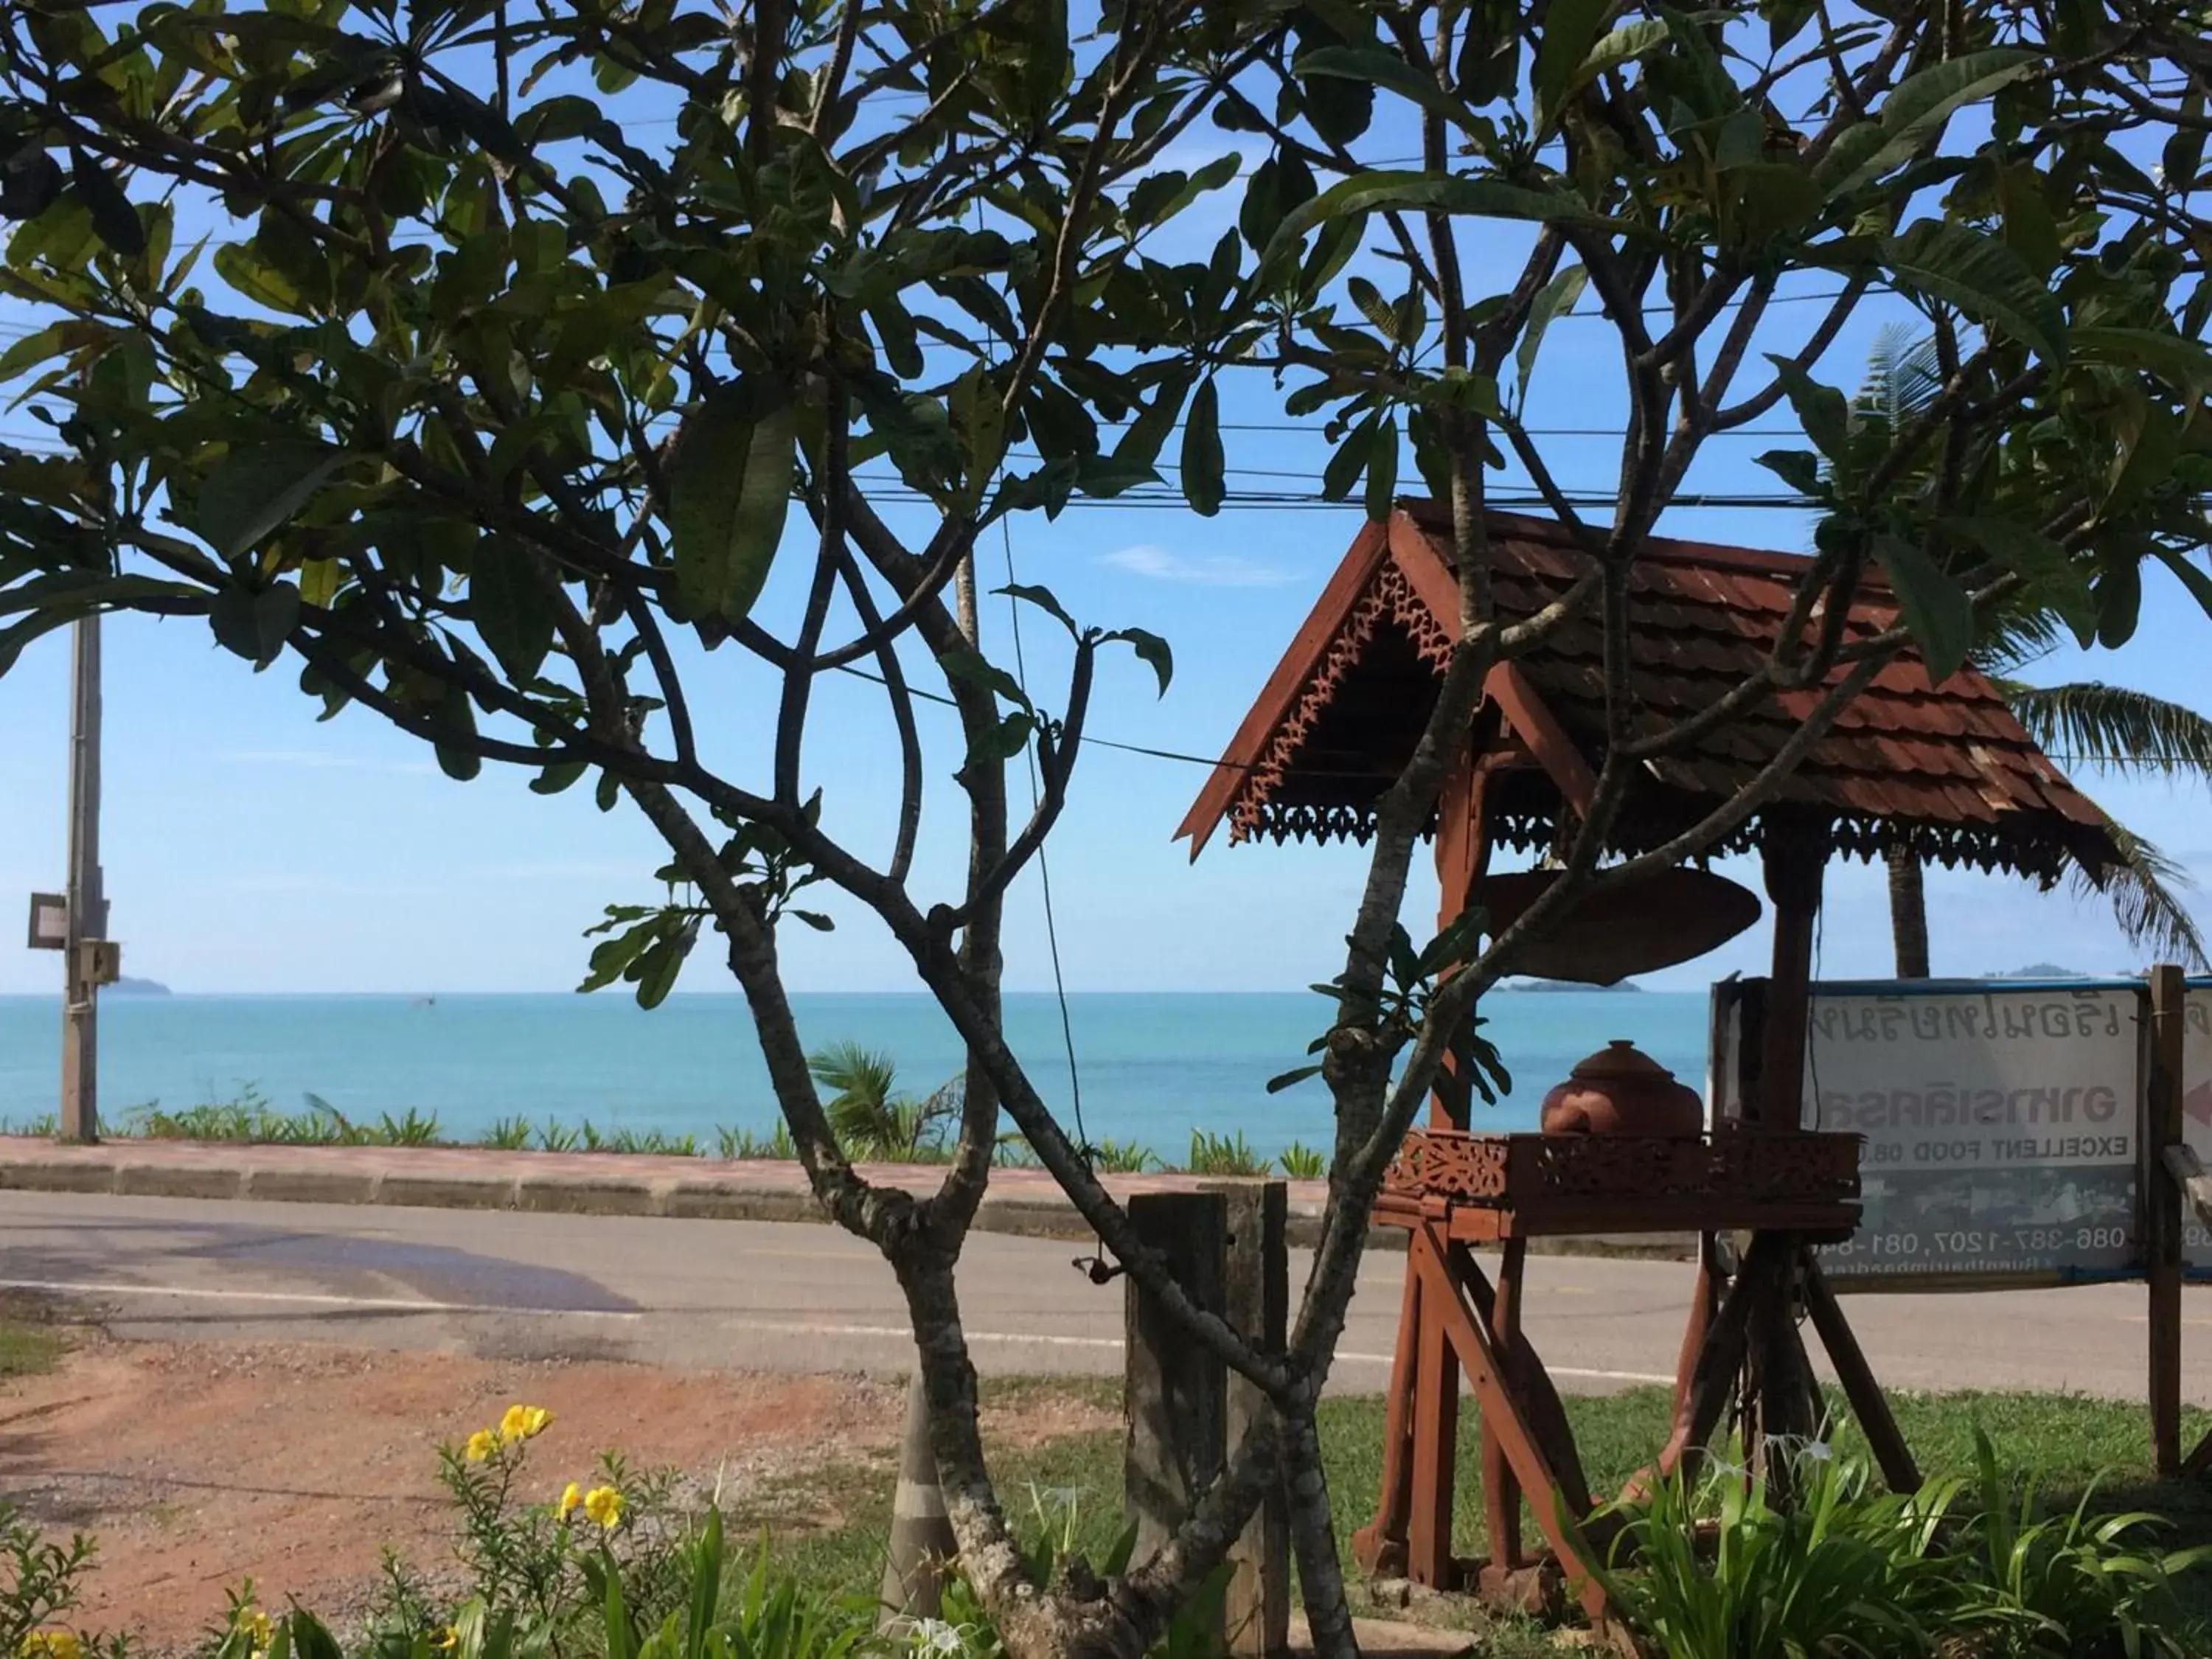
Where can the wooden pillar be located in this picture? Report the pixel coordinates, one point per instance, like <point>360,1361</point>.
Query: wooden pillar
<point>1257,1303</point>
<point>1462,854</point>
<point>1794,855</point>
<point>2159,1198</point>
<point>1176,1391</point>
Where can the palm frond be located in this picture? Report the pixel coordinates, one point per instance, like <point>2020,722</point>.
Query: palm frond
<point>2113,727</point>
<point>863,1113</point>
<point>1904,376</point>
<point>2140,889</point>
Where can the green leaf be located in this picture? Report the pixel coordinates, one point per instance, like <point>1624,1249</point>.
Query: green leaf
<point>1002,742</point>
<point>1570,29</point>
<point>509,606</point>
<point>1917,111</point>
<point>1798,468</point>
<point>1978,274</point>
<point>1204,463</point>
<point>1043,600</point>
<point>1935,608</point>
<point>254,625</point>
<point>2182,364</point>
<point>1628,42</point>
<point>1423,192</point>
<point>555,778</point>
<point>729,491</point>
<point>1288,1079</point>
<point>239,264</point>
<point>1152,650</point>
<point>1382,469</point>
<point>256,489</point>
<point>2119,603</point>
<point>1555,299</point>
<point>1391,71</point>
<point>1823,412</point>
<point>971,667</point>
<point>458,761</point>
<point>2043,564</point>
<point>113,218</point>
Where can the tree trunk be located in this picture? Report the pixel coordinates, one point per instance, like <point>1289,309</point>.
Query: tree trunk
<point>1908,912</point>
<point>1313,1540</point>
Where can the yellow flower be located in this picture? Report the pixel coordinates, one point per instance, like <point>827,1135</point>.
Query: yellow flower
<point>256,1624</point>
<point>605,1505</point>
<point>522,1422</point>
<point>447,1639</point>
<point>482,1444</point>
<point>54,1643</point>
<point>571,1495</point>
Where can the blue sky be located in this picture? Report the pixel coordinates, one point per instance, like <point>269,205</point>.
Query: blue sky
<point>248,848</point>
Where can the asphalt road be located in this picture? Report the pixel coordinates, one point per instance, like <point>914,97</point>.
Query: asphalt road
<point>760,1296</point>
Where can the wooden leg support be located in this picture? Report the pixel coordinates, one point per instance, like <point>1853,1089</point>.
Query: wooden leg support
<point>1502,1407</point>
<point>1867,1402</point>
<point>1380,1545</point>
<point>1429,1559</point>
<point>1501,1492</point>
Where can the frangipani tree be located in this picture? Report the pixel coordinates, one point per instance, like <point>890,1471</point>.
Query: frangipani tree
<point>491,406</point>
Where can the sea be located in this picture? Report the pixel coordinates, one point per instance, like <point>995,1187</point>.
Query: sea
<point>1150,1068</point>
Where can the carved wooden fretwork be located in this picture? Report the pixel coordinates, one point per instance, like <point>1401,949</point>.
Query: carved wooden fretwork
<point>1390,600</point>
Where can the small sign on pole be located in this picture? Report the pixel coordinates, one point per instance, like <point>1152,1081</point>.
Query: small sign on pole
<point>49,922</point>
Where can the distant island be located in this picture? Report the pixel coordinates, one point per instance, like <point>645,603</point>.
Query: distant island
<point>1555,985</point>
<point>128,986</point>
<point>2042,970</point>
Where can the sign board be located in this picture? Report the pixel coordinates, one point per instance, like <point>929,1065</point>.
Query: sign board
<point>49,922</point>
<point>2196,1118</point>
<point>2000,1120</point>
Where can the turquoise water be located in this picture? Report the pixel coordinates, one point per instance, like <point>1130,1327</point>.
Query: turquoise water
<point>1152,1068</point>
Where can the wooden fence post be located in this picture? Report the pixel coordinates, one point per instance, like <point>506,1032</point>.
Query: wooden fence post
<point>2160,1204</point>
<point>1258,1305</point>
<point>1174,1391</point>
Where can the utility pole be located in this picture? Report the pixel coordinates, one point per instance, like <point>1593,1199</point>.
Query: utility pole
<point>87,960</point>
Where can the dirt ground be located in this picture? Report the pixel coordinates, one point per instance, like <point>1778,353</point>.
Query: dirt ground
<point>196,1466</point>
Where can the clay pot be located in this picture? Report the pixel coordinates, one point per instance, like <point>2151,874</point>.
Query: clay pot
<point>1621,1090</point>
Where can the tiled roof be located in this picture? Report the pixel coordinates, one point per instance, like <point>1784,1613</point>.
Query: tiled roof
<point>1947,769</point>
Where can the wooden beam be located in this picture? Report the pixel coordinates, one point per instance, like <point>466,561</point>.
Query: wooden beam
<point>1380,1545</point>
<point>1501,1405</point>
<point>1794,857</point>
<point>2162,1206</point>
<point>1501,1492</point>
<point>1536,726</point>
<point>1867,1401</point>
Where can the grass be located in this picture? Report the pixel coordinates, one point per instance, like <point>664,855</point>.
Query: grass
<point>28,1350</point>
<point>30,1344</point>
<point>832,1528</point>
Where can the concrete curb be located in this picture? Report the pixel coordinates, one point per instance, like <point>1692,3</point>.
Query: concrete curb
<point>198,1172</point>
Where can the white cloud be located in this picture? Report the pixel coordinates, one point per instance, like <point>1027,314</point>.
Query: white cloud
<point>1197,570</point>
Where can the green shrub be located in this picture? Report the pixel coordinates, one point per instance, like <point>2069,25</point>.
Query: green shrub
<point>40,1582</point>
<point>1111,1157</point>
<point>508,1134</point>
<point>1224,1155</point>
<point>1302,1163</point>
<point>1847,1572</point>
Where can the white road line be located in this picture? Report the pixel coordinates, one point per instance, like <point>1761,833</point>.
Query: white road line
<point>311,1298</point>
<point>727,1321</point>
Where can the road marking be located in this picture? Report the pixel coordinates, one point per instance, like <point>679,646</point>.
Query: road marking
<point>728,1319</point>
<point>311,1298</point>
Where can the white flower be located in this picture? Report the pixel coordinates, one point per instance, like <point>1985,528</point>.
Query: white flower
<point>938,1638</point>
